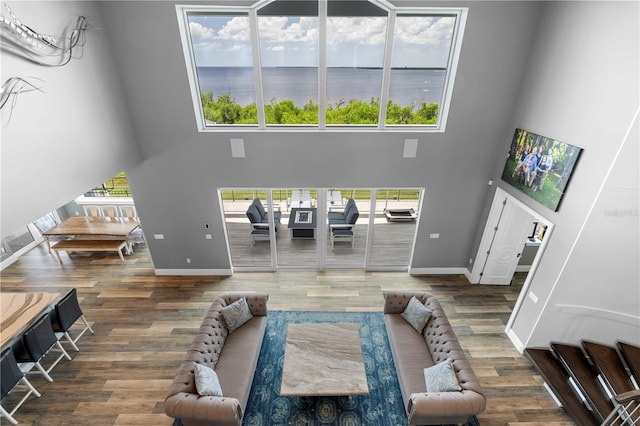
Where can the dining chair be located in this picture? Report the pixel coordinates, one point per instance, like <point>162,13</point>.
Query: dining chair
<point>137,236</point>
<point>39,340</point>
<point>128,211</point>
<point>109,211</point>
<point>91,210</point>
<point>13,378</point>
<point>67,313</point>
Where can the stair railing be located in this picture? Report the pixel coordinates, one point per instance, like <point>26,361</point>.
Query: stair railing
<point>626,411</point>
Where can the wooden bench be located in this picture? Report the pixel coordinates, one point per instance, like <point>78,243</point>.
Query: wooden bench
<point>90,245</point>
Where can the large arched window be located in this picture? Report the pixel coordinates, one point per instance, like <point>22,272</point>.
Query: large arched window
<point>321,64</point>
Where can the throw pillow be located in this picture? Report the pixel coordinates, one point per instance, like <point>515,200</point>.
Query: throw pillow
<point>416,314</point>
<point>236,314</point>
<point>441,378</point>
<point>207,383</point>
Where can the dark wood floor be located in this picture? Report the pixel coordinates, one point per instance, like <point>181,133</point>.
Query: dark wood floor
<point>143,324</point>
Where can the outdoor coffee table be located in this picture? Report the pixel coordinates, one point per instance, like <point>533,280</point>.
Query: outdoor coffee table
<point>323,360</point>
<point>303,222</point>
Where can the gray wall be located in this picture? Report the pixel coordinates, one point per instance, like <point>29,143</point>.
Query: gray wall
<point>582,87</point>
<point>183,168</point>
<point>77,134</point>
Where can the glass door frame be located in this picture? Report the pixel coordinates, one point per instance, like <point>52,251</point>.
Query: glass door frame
<point>371,230</point>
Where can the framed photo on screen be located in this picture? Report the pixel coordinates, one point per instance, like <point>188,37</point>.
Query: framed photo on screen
<point>540,166</point>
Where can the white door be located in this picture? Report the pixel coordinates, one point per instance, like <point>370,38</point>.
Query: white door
<point>510,232</point>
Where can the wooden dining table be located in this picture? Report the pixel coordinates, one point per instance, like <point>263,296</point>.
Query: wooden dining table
<point>94,227</point>
<point>18,310</point>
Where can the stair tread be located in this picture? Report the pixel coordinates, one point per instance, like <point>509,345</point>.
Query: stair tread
<point>557,378</point>
<point>609,365</point>
<point>585,376</point>
<point>631,355</point>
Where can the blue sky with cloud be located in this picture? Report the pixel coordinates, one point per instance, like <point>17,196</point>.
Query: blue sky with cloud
<point>421,42</point>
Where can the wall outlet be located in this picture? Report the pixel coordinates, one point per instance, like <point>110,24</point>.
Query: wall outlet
<point>208,236</point>
<point>188,260</point>
<point>434,235</point>
<point>158,236</point>
<point>470,260</point>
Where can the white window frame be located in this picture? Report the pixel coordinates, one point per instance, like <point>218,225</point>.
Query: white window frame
<point>456,46</point>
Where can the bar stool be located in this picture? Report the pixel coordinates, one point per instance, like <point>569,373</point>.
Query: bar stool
<point>39,339</point>
<point>68,312</point>
<point>11,377</point>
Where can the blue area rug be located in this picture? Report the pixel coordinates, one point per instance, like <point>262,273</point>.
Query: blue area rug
<point>382,407</point>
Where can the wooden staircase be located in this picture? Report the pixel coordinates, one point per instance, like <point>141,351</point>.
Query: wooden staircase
<point>592,381</point>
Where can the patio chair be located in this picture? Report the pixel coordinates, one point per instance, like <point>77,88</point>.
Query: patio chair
<point>341,224</point>
<point>259,217</point>
<point>348,216</point>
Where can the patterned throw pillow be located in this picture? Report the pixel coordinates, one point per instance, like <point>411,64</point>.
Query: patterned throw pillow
<point>441,378</point>
<point>207,383</point>
<point>236,314</point>
<point>416,314</point>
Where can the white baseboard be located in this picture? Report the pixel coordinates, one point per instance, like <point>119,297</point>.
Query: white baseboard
<point>523,268</point>
<point>8,261</point>
<point>184,272</point>
<point>14,256</point>
<point>439,271</point>
<point>515,340</point>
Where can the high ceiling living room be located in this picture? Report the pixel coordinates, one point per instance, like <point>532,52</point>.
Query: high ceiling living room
<point>141,93</point>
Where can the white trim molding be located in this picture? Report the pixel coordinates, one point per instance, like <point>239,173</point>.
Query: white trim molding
<point>439,271</point>
<point>193,272</point>
<point>515,340</point>
<point>591,311</point>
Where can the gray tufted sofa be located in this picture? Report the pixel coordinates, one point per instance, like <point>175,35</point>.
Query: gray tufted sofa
<point>413,352</point>
<point>233,356</point>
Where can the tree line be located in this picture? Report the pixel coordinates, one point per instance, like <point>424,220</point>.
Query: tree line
<point>224,110</point>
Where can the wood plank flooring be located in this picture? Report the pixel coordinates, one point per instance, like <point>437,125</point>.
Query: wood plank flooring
<point>143,324</point>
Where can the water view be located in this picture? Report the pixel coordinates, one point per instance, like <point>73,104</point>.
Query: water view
<point>407,87</point>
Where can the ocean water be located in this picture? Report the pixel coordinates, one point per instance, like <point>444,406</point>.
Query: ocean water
<point>407,86</point>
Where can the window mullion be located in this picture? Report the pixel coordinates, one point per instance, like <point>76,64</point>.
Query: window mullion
<point>257,67</point>
<point>386,70</point>
<point>322,64</point>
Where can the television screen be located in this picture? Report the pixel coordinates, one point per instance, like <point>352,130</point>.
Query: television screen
<point>541,167</point>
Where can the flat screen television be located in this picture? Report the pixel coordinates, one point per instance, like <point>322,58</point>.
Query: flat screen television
<point>540,166</point>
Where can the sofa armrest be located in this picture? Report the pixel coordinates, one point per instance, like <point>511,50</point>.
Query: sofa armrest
<point>444,407</point>
<point>340,226</point>
<point>257,301</point>
<point>193,409</point>
<point>395,301</point>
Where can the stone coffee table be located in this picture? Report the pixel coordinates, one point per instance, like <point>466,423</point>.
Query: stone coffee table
<point>323,360</point>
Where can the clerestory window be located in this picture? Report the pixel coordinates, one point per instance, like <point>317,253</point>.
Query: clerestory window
<point>321,64</point>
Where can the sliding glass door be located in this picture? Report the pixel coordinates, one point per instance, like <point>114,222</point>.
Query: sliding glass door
<point>394,228</point>
<point>249,244</point>
<point>318,228</point>
<point>347,224</point>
